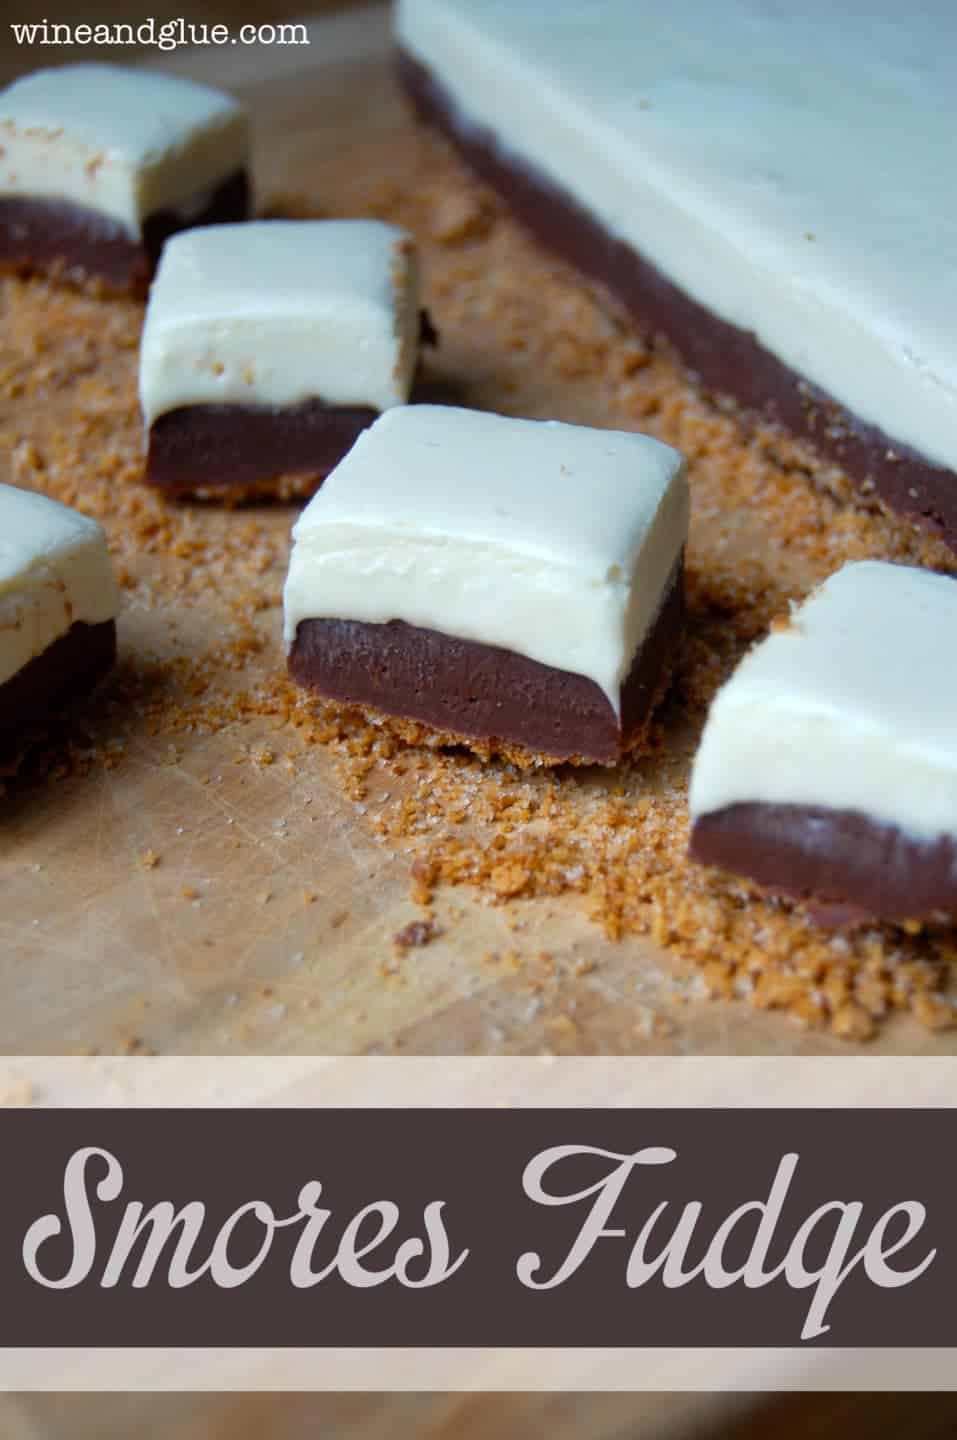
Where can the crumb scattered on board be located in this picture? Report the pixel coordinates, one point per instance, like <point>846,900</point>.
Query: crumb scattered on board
<point>521,335</point>
<point>416,933</point>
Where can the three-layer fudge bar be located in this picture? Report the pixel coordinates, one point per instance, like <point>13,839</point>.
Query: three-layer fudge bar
<point>268,347</point>
<point>516,585</point>
<point>768,186</point>
<point>828,766</point>
<point>58,606</point>
<point>99,165</point>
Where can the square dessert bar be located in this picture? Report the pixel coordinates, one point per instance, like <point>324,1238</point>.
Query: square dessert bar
<point>58,606</point>
<point>828,767</point>
<point>99,165</point>
<point>268,347</point>
<point>516,585</point>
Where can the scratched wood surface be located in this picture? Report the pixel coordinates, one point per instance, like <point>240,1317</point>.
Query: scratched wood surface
<point>97,952</point>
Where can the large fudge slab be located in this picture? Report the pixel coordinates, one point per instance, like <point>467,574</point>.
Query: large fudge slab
<point>769,187</point>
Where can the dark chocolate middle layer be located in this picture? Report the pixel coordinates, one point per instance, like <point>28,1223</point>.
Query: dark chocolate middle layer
<point>837,859</point>
<point>484,692</point>
<point>63,671</point>
<point>727,359</point>
<point>37,233</point>
<point>203,447</point>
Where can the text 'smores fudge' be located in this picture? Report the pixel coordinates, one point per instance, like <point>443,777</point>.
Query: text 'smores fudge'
<point>58,607</point>
<point>100,164</point>
<point>269,346</point>
<point>514,583</point>
<point>828,766</point>
<point>769,186</point>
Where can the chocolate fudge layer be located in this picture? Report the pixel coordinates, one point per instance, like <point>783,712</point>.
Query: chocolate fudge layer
<point>100,164</point>
<point>848,865</point>
<point>66,670</point>
<point>828,765</point>
<point>203,447</point>
<point>76,243</point>
<point>792,215</point>
<point>471,691</point>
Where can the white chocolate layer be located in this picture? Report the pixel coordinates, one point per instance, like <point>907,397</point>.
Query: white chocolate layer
<point>554,541</point>
<point>852,707</point>
<point>790,167</point>
<point>54,570</point>
<point>280,311</point>
<point>122,142</point>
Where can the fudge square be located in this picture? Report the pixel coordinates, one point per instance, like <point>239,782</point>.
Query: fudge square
<point>58,607</point>
<point>268,347</point>
<point>828,766</point>
<point>100,164</point>
<point>516,585</point>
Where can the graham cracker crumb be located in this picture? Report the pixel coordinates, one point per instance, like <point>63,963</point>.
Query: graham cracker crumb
<point>415,934</point>
<point>461,215</point>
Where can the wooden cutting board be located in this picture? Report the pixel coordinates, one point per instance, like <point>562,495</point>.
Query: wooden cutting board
<point>215,949</point>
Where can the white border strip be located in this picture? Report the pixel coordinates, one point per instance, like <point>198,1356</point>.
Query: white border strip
<point>472,1369</point>
<point>705,1082</point>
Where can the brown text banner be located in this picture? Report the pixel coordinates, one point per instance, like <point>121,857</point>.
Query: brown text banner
<point>477,1227</point>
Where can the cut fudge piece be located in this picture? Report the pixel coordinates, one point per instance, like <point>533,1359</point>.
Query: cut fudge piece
<point>828,766</point>
<point>58,607</point>
<point>99,165</point>
<point>768,186</point>
<point>268,347</point>
<point>514,584</point>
